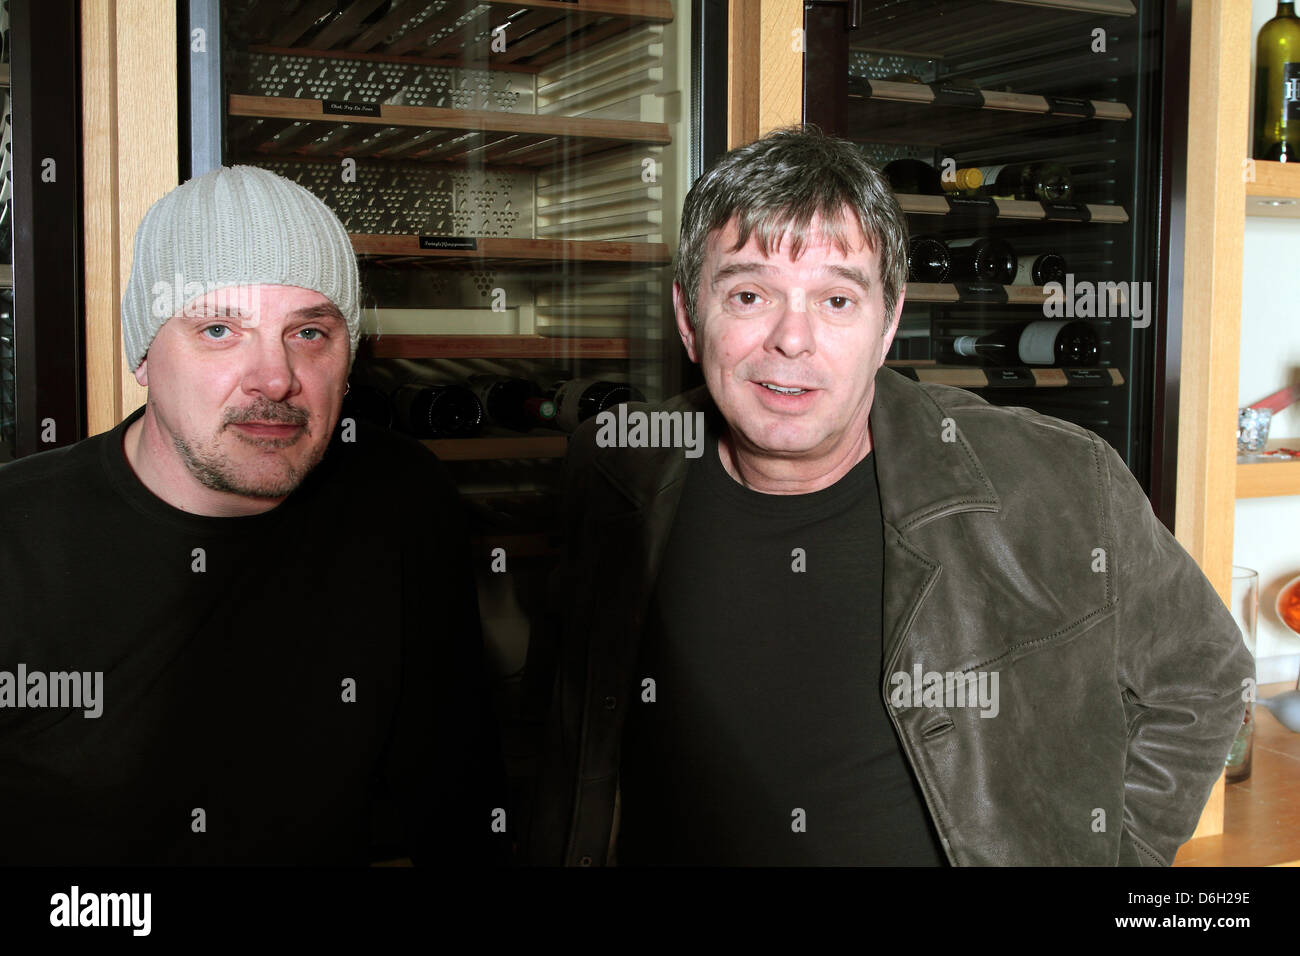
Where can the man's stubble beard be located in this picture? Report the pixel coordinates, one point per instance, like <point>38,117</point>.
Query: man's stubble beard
<point>217,471</point>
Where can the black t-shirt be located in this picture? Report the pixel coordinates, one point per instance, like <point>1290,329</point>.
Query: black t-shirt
<point>303,685</point>
<point>768,741</point>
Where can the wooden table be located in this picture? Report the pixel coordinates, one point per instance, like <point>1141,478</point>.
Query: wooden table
<point>1261,825</point>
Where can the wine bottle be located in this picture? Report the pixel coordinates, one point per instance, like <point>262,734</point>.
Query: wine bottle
<point>914,177</point>
<point>1277,87</point>
<point>580,398</point>
<point>1045,342</point>
<point>928,260</point>
<point>368,404</point>
<point>513,403</point>
<point>1045,182</point>
<point>983,259</point>
<point>1040,269</point>
<point>437,411</point>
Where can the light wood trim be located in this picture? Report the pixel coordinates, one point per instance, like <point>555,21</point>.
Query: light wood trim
<point>130,155</point>
<point>764,68</point>
<point>1211,335</point>
<point>103,329</point>
<point>1211,321</point>
<point>148,137</point>
<point>1265,479</point>
<point>1276,183</point>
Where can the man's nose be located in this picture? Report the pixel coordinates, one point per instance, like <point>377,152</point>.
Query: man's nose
<point>269,371</point>
<point>792,334</point>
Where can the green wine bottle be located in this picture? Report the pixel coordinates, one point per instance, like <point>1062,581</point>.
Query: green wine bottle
<point>1277,87</point>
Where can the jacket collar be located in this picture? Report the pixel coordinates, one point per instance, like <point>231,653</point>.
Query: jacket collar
<point>925,468</point>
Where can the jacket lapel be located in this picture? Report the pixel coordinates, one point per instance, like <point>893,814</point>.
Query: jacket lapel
<point>925,470</point>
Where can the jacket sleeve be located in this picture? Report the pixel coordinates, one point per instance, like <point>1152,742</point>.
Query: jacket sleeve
<point>1180,662</point>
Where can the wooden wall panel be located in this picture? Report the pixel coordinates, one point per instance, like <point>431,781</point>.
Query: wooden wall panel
<point>1217,147</point>
<point>131,148</point>
<point>764,68</point>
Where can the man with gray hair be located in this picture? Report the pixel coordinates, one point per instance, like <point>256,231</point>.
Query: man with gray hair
<point>877,622</point>
<point>272,608</point>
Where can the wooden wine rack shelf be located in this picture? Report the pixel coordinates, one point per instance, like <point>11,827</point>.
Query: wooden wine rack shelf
<point>486,449</point>
<point>405,251</point>
<point>538,32</point>
<point>946,293</point>
<point>920,94</point>
<point>289,126</point>
<point>1275,191</point>
<point>1008,208</point>
<point>491,346</point>
<point>979,377</point>
<point>922,123</point>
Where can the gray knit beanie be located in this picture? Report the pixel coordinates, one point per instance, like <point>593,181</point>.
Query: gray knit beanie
<point>234,226</point>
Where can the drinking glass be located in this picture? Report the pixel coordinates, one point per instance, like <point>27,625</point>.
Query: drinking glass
<point>1245,611</point>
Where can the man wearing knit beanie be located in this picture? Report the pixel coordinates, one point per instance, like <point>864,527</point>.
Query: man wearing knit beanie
<point>243,296</point>
<point>239,630</point>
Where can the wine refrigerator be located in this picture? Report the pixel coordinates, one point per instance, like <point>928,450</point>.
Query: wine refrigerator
<point>511,175</point>
<point>1036,149</point>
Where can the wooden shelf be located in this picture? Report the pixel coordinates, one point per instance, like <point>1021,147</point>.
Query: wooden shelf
<point>1261,820</point>
<point>1275,193</point>
<point>974,292</point>
<point>289,126</point>
<point>922,95</point>
<point>406,250</point>
<point>492,346</point>
<point>974,376</point>
<point>546,32</point>
<point>1007,208</point>
<point>1266,479</point>
<point>485,449</point>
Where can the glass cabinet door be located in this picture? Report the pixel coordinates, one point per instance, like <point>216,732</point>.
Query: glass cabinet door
<point>1024,142</point>
<point>511,175</point>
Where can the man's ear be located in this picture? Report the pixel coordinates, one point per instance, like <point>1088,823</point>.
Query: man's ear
<point>142,373</point>
<point>893,329</point>
<point>684,327</point>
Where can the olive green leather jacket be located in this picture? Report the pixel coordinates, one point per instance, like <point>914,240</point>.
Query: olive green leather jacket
<point>1014,543</point>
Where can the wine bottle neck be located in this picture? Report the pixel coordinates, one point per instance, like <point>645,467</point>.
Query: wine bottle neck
<point>1286,8</point>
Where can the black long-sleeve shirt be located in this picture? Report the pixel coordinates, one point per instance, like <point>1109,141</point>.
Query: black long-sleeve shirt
<point>303,685</point>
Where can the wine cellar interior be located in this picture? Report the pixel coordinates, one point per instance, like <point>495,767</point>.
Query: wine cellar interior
<point>511,176</point>
<point>982,84</point>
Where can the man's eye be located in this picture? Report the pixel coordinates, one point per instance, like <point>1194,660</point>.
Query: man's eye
<point>747,298</point>
<point>313,334</point>
<point>223,328</point>
<point>839,302</point>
